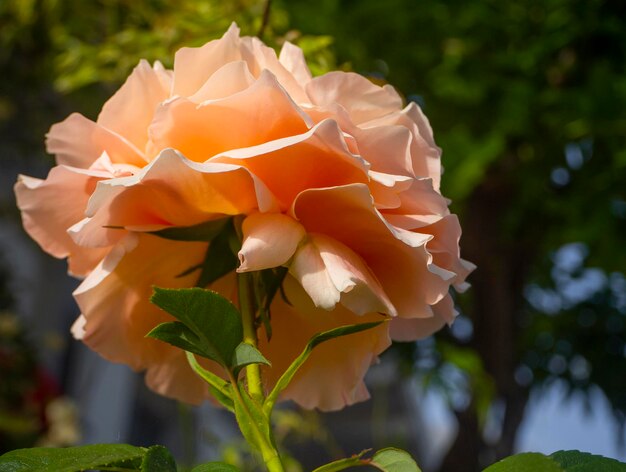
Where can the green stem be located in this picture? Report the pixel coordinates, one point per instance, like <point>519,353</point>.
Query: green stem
<point>253,371</point>
<point>268,452</point>
<point>246,289</point>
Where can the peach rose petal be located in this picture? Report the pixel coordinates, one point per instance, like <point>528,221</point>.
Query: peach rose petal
<point>193,66</point>
<point>410,329</point>
<point>411,222</point>
<point>444,246</point>
<point>171,191</point>
<point>292,58</point>
<point>421,199</point>
<point>269,240</point>
<point>332,377</point>
<point>310,271</point>
<point>387,149</point>
<point>263,112</point>
<point>228,80</point>
<point>316,159</point>
<point>445,309</point>
<point>51,206</point>
<point>425,154</point>
<point>105,164</point>
<point>114,300</point>
<point>129,112</point>
<point>386,189</point>
<point>78,142</point>
<point>330,272</point>
<point>398,258</point>
<point>173,378</point>
<point>363,100</point>
<point>260,58</point>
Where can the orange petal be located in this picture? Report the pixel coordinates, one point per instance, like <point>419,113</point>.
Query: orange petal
<point>332,377</point>
<point>420,199</point>
<point>49,207</point>
<point>78,142</point>
<point>444,246</point>
<point>130,111</point>
<point>269,240</point>
<point>288,166</point>
<point>362,99</point>
<point>193,66</point>
<point>231,78</point>
<point>171,191</point>
<point>386,189</point>
<point>114,301</point>
<point>329,271</point>
<point>260,113</point>
<point>263,57</point>
<point>397,257</point>
<point>425,154</point>
<point>412,329</point>
<point>386,148</point>
<point>173,378</point>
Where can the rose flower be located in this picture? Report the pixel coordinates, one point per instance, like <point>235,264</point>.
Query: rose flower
<point>334,178</point>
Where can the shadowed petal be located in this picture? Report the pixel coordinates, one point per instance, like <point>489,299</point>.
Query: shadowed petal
<point>412,329</point>
<point>114,301</point>
<point>332,377</point>
<point>51,206</point>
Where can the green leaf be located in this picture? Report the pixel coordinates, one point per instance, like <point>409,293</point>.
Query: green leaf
<point>394,460</point>
<point>215,467</point>
<point>341,331</point>
<point>218,387</point>
<point>72,459</point>
<point>561,461</point>
<point>221,256</point>
<point>214,320</point>
<point>158,459</point>
<point>246,354</point>
<point>388,460</point>
<point>342,464</point>
<point>576,461</point>
<point>177,334</point>
<point>525,462</point>
<point>206,231</point>
<point>319,338</point>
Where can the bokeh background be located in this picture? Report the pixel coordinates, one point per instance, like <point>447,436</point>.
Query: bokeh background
<point>528,101</point>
